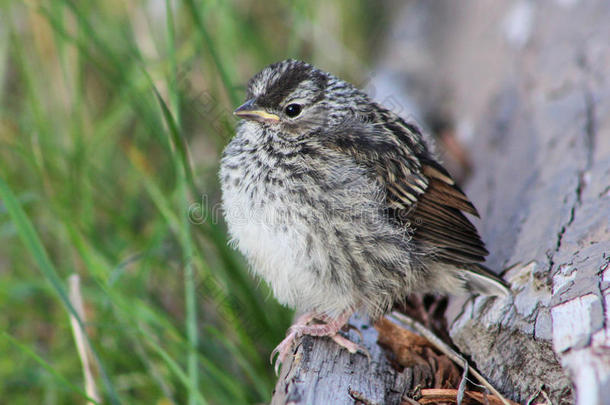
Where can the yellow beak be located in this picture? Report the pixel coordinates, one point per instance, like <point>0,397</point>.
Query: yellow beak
<point>250,111</point>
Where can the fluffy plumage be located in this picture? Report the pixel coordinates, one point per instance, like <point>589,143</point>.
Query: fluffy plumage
<point>343,207</point>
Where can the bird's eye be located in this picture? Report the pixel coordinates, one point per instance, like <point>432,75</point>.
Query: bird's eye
<point>292,110</point>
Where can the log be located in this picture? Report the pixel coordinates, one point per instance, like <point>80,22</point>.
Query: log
<point>526,86</point>
<point>323,373</point>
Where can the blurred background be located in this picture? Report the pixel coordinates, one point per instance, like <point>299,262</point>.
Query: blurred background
<point>113,116</point>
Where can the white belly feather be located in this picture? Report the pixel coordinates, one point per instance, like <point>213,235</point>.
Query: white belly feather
<point>274,242</point>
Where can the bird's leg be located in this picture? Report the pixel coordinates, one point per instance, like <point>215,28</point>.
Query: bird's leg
<point>330,328</point>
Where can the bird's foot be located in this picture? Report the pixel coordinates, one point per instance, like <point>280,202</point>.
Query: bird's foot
<point>330,328</point>
<point>285,345</point>
<point>282,350</point>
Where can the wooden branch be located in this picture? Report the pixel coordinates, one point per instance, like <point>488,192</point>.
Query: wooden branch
<point>542,175</point>
<point>321,372</point>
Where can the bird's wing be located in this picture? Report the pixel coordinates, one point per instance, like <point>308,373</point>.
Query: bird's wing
<point>420,193</point>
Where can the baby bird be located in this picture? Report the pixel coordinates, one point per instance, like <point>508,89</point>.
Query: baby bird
<point>340,206</point>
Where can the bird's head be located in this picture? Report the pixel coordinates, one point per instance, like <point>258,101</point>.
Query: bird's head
<point>296,98</point>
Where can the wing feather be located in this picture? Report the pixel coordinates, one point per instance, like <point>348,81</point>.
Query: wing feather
<point>420,193</point>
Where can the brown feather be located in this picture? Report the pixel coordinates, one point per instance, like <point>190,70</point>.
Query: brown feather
<point>420,193</point>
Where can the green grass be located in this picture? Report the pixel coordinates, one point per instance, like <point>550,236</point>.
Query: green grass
<point>113,116</point>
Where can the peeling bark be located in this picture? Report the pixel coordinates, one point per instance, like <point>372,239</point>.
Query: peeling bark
<point>550,221</point>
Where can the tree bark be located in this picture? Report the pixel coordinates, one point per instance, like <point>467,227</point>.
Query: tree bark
<point>321,372</point>
<point>526,85</point>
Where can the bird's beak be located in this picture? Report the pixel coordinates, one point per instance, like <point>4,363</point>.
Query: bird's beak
<point>250,111</point>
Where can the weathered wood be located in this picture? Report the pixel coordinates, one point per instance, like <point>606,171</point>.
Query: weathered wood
<point>323,373</point>
<point>541,164</point>
<point>530,83</point>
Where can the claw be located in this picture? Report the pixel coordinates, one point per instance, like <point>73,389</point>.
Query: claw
<point>283,348</point>
<point>349,327</point>
<point>350,346</point>
<point>273,353</point>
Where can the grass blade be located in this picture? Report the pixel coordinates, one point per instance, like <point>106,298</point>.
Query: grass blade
<point>47,367</point>
<point>31,240</point>
<point>224,76</point>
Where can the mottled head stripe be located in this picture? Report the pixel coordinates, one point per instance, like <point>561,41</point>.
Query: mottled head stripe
<point>281,79</point>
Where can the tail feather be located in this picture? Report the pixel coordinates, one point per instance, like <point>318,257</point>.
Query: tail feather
<point>481,280</point>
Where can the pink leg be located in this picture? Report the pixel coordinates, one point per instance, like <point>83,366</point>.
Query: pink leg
<point>330,328</point>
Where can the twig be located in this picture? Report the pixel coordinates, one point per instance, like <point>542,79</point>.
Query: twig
<point>536,394</point>
<point>449,352</point>
<point>409,401</point>
<point>440,395</point>
<point>462,387</point>
<point>82,345</point>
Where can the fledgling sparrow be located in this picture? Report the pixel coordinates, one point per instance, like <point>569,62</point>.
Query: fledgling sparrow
<point>339,204</point>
